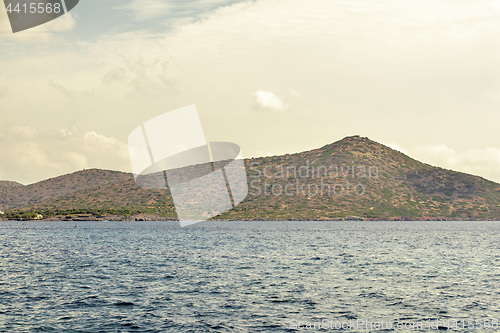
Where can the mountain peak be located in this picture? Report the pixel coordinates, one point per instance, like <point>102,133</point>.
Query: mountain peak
<point>355,143</point>
<point>356,139</point>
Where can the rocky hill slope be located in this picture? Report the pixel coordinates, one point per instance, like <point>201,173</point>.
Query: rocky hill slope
<point>354,178</point>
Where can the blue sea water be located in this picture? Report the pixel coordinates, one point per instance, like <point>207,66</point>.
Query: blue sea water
<point>248,276</point>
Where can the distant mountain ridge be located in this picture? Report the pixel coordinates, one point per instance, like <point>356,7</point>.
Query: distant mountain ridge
<point>378,183</point>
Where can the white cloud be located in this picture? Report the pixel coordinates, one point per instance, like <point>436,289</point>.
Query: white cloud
<point>440,153</point>
<point>92,138</point>
<point>146,9</point>
<point>141,73</point>
<point>398,148</point>
<point>478,161</point>
<point>65,132</point>
<point>266,100</point>
<point>149,9</point>
<point>29,155</point>
<point>484,162</point>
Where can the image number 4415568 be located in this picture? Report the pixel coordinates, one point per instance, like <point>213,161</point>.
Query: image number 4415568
<point>35,8</point>
<point>26,14</point>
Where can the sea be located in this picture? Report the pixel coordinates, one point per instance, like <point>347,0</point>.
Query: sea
<point>249,276</point>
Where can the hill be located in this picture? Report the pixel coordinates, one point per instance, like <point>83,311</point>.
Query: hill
<point>354,178</point>
<point>6,183</point>
<point>364,179</point>
<point>14,195</point>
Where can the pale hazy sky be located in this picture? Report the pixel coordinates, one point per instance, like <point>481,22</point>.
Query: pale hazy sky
<point>274,76</point>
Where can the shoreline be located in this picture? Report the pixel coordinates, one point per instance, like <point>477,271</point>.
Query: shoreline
<point>148,218</point>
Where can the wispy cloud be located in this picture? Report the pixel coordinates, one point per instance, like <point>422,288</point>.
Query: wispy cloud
<point>478,161</point>
<point>266,100</point>
<point>483,162</point>
<point>146,9</point>
<point>30,154</point>
<point>143,10</point>
<point>395,146</point>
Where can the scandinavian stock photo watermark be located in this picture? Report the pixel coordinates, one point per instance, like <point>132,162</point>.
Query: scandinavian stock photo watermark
<point>204,178</point>
<point>384,325</point>
<point>310,179</point>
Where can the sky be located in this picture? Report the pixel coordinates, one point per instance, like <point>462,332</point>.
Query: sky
<point>274,76</point>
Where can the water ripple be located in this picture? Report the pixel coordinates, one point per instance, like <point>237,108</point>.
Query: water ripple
<point>242,277</point>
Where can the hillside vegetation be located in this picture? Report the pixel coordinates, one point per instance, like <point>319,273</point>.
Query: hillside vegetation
<point>354,178</point>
